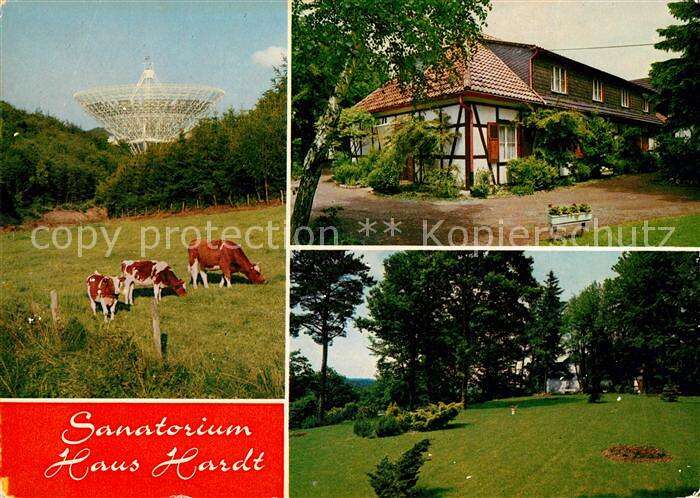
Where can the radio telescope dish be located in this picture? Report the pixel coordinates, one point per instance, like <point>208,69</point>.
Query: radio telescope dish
<point>148,111</point>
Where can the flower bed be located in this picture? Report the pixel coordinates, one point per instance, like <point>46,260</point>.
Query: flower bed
<point>641,454</point>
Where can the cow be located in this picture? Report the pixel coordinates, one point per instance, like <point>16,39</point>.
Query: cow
<point>221,255</point>
<point>146,273</point>
<point>103,289</point>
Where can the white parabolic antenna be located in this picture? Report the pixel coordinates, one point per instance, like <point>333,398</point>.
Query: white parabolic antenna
<point>148,111</point>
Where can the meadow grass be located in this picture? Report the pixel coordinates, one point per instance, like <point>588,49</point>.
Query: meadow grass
<point>232,339</point>
<point>686,230</point>
<point>551,447</point>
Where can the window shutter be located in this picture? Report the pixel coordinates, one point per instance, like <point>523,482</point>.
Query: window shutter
<point>493,143</point>
<point>519,139</point>
<point>566,81</point>
<point>645,144</point>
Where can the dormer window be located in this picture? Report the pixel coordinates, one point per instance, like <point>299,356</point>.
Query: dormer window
<point>646,104</point>
<point>625,98</point>
<point>558,79</point>
<point>598,91</point>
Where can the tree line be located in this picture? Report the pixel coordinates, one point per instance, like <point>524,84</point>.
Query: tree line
<point>472,326</point>
<point>227,159</point>
<point>47,162</point>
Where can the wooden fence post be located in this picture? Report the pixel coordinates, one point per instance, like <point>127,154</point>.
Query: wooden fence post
<point>54,306</point>
<point>157,337</point>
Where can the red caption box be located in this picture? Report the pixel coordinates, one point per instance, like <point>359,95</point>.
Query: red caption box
<point>89,449</point>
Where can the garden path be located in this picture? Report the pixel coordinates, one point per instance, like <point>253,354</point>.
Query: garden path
<point>618,200</point>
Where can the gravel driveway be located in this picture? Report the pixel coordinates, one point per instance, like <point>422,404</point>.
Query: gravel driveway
<point>623,199</point>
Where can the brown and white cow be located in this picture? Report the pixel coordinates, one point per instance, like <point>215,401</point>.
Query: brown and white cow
<point>221,255</point>
<point>147,273</point>
<point>103,289</point>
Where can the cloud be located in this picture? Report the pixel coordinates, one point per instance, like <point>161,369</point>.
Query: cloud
<point>271,56</point>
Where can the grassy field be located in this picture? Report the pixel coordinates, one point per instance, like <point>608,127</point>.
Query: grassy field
<point>550,447</point>
<point>685,234</point>
<point>231,339</point>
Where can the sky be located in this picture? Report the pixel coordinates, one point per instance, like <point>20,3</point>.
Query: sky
<point>52,49</point>
<point>350,356</point>
<point>556,24</point>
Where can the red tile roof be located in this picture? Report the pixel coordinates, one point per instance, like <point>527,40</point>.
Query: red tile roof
<point>485,73</point>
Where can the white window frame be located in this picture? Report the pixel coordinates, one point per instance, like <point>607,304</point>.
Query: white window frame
<point>625,98</point>
<point>558,79</point>
<point>646,105</point>
<point>507,142</point>
<point>597,91</point>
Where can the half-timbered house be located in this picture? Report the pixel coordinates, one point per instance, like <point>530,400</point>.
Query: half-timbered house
<point>494,90</point>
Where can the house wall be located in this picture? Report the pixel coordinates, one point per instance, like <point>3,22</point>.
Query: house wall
<point>462,152</point>
<point>563,386</point>
<point>580,87</point>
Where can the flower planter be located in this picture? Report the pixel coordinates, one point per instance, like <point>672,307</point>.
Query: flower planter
<point>565,219</point>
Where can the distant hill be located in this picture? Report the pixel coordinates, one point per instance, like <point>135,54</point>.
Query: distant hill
<point>362,383</point>
<point>48,162</point>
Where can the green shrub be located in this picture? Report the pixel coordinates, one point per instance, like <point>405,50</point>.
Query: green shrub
<point>391,480</point>
<point>442,183</point>
<point>363,427</point>
<point>309,422</point>
<point>670,393</point>
<point>621,166</point>
<point>387,426</point>
<point>557,134</point>
<point>482,184</point>
<point>350,410</point>
<point>678,157</point>
<point>365,411</point>
<point>385,177</point>
<point>434,417</point>
<point>334,416</point>
<point>598,144</point>
<point>522,190</point>
<point>302,409</point>
<point>594,396</point>
<point>392,410</point>
<point>532,172</point>
<point>349,172</point>
<point>582,171</point>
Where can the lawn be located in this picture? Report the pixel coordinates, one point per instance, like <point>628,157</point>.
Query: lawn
<point>685,234</point>
<point>231,339</point>
<point>550,447</point>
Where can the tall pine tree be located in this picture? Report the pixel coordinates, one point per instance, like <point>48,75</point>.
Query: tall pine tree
<point>677,79</point>
<point>326,286</point>
<point>545,333</point>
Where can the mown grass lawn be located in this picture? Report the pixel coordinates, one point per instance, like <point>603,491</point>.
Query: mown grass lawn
<point>550,447</point>
<point>685,234</point>
<point>231,336</point>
